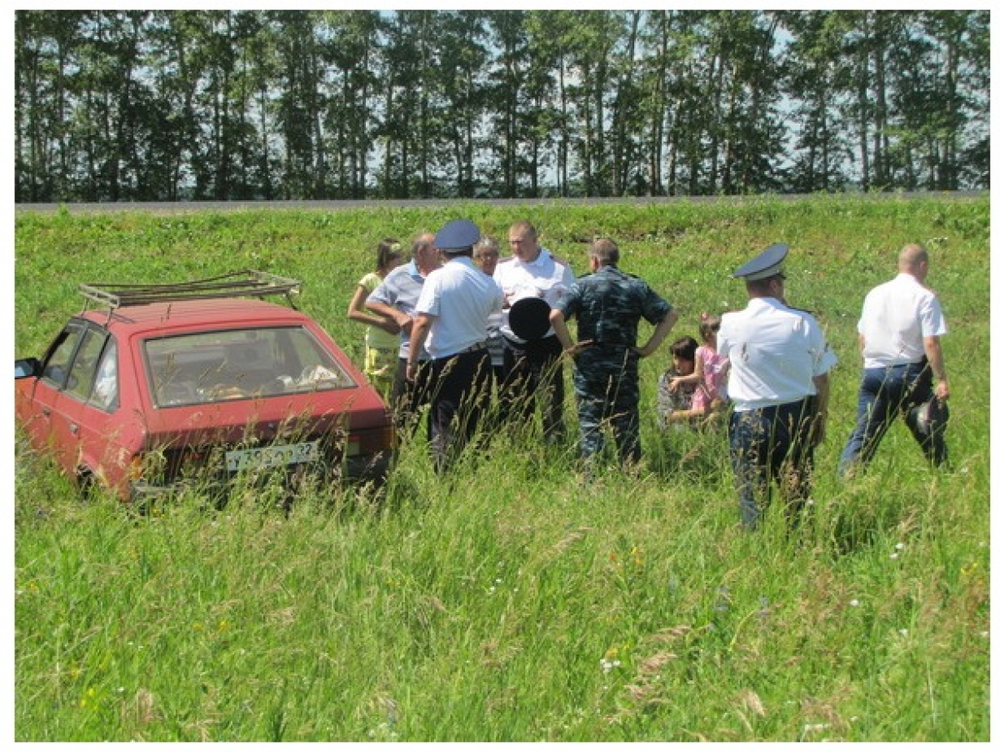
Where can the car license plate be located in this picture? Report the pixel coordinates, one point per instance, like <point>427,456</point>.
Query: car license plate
<point>276,455</point>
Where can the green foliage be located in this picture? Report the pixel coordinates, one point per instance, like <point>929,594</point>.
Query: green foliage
<point>245,104</point>
<point>518,600</point>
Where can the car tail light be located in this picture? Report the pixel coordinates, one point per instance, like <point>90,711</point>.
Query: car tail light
<point>369,442</point>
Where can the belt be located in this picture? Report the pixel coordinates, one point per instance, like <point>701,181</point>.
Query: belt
<point>523,343</point>
<point>470,349</point>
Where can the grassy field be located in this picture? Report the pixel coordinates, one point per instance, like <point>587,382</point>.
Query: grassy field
<point>517,600</point>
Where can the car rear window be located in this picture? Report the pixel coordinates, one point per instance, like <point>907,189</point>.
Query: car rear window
<point>205,367</point>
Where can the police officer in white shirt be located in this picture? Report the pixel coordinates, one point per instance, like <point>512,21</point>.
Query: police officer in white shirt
<point>451,323</point>
<point>899,336</point>
<point>779,385</point>
<point>532,368</point>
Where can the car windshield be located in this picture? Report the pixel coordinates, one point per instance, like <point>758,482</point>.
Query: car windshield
<point>193,369</point>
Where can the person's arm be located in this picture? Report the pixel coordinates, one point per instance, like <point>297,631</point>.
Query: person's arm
<point>659,334</point>
<point>935,356</point>
<point>402,321</point>
<point>822,404</point>
<point>421,326</point>
<point>557,320</point>
<point>356,312</point>
<point>696,376</point>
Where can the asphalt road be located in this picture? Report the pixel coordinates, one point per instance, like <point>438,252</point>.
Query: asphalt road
<point>182,206</point>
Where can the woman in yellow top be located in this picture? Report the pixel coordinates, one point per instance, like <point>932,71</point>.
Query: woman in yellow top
<point>381,334</point>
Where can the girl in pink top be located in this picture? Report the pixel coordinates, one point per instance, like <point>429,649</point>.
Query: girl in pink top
<point>710,370</point>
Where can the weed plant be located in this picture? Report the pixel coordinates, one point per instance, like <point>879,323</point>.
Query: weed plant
<point>517,599</point>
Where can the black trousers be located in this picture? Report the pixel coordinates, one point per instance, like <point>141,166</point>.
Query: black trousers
<point>533,376</point>
<point>409,396</point>
<point>460,394</point>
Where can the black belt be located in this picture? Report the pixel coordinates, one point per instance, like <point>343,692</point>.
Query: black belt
<point>470,349</point>
<point>514,343</point>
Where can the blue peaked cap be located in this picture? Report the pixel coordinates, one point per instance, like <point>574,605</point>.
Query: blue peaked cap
<point>766,264</point>
<point>457,235</point>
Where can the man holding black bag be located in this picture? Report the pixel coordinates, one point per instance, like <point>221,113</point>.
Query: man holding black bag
<point>900,339</point>
<point>533,280</point>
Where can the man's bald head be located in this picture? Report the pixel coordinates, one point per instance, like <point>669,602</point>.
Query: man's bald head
<point>913,259</point>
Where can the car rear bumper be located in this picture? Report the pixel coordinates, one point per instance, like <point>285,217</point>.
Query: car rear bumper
<point>357,469</point>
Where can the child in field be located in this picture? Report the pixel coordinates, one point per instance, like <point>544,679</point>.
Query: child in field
<point>381,334</point>
<point>710,372</point>
<point>674,396</point>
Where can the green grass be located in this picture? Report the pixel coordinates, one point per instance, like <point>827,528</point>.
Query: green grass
<point>518,601</point>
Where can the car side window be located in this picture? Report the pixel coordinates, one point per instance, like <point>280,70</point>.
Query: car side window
<point>83,370</point>
<point>57,362</point>
<point>105,393</point>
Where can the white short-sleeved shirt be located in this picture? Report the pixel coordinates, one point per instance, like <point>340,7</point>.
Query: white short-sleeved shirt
<point>895,318</point>
<point>401,290</point>
<point>774,352</point>
<point>544,277</point>
<point>461,298</point>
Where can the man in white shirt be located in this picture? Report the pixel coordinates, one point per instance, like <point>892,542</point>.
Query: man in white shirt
<point>532,368</point>
<point>451,323</point>
<point>899,336</point>
<point>396,298</point>
<point>780,387</point>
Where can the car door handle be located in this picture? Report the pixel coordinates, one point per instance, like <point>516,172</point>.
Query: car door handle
<point>74,429</point>
<point>46,411</point>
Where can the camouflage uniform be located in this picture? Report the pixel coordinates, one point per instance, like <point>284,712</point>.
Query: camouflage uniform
<point>608,305</point>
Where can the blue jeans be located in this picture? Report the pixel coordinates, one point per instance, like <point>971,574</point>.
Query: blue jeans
<point>771,444</point>
<point>883,395</point>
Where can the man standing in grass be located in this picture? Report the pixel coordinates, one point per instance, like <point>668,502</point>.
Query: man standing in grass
<point>900,339</point>
<point>608,305</point>
<point>396,299</point>
<point>452,315</point>
<point>532,368</point>
<point>779,384</point>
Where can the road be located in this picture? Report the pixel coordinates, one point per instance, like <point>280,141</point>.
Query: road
<point>183,206</point>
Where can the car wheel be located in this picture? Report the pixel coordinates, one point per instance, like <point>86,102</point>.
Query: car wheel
<point>86,481</point>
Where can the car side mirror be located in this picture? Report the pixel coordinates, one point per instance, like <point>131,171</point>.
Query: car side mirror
<point>26,367</point>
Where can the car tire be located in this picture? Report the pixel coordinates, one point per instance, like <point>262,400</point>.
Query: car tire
<point>86,482</point>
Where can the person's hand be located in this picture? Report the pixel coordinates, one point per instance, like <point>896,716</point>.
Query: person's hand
<point>578,347</point>
<point>942,391</point>
<point>404,322</point>
<point>389,325</point>
<point>818,430</point>
<point>674,383</point>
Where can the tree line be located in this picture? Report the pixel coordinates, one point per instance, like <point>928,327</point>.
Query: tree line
<point>167,105</point>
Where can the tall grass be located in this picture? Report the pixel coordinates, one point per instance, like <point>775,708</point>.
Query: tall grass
<point>517,599</point>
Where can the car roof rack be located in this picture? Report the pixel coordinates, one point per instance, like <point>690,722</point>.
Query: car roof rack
<point>241,284</point>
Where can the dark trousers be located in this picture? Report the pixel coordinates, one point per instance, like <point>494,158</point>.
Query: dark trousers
<point>606,384</point>
<point>408,397</point>
<point>884,394</point>
<point>771,444</point>
<point>461,385</point>
<point>533,375</point>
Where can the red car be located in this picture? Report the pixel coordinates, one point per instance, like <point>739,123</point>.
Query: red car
<point>167,385</point>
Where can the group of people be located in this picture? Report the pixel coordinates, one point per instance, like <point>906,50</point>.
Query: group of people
<point>466,325</point>
<point>693,388</point>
